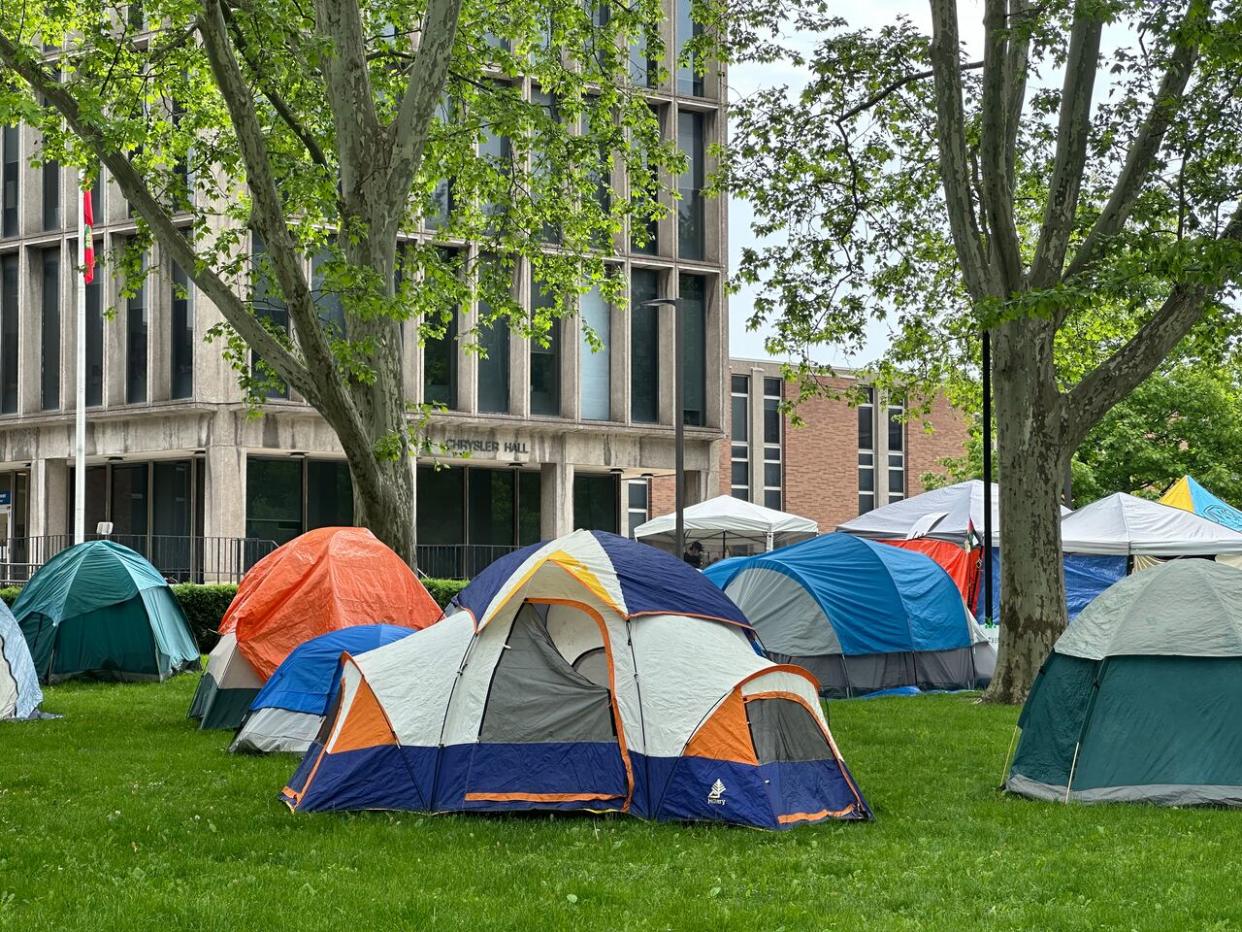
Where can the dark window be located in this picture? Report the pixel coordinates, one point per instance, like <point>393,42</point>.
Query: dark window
<point>595,366</point>
<point>596,499</point>
<point>329,494</point>
<point>530,507</point>
<point>441,505</point>
<point>268,301</point>
<point>498,150</point>
<point>691,223</point>
<point>136,17</point>
<point>689,78</point>
<point>50,344</point>
<point>9,315</point>
<point>645,237</point>
<point>739,384</point>
<point>440,358</point>
<point>273,499</point>
<point>694,348</point>
<point>492,506</point>
<point>771,420</point>
<point>638,496</point>
<point>10,178</point>
<point>51,195</point>
<point>740,417</point>
<point>740,473</point>
<point>866,426</point>
<point>772,475</point>
<point>328,303</point>
<point>129,502</point>
<point>182,335</point>
<point>644,347</point>
<point>541,168</point>
<point>545,358</point>
<point>896,429</point>
<point>94,344</point>
<point>441,208</point>
<point>772,499</point>
<point>136,345</point>
<point>494,367</point>
<point>643,68</point>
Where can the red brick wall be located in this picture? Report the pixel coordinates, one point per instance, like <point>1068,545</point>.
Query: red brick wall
<point>950,431</point>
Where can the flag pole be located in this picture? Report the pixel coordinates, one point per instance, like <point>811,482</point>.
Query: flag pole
<point>79,417</point>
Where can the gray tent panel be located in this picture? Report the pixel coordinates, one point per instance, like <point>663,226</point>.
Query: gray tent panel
<point>536,696</point>
<point>783,730</point>
<point>784,611</point>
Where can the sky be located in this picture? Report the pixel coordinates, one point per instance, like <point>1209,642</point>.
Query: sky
<point>745,79</point>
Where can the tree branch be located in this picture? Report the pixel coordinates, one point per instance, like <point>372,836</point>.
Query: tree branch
<point>1073,132</point>
<point>994,157</point>
<point>951,140</point>
<point>1122,372</point>
<point>897,85</point>
<point>180,250</point>
<point>1142,153</point>
<point>1017,61</point>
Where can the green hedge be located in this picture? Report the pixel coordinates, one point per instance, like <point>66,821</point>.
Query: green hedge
<point>205,605</point>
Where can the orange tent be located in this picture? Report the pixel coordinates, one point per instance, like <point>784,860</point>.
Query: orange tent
<point>326,579</point>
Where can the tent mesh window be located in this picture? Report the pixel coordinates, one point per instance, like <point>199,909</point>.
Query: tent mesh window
<point>783,731</point>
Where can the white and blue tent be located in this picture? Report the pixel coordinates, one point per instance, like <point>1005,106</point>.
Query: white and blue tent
<point>19,684</point>
<point>860,615</point>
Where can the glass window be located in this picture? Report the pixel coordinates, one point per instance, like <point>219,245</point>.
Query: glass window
<point>596,500</point>
<point>772,499</point>
<point>896,453</point>
<point>491,506</point>
<point>645,237</point>
<point>50,345</point>
<point>10,314</point>
<point>170,509</point>
<point>441,505</point>
<point>136,345</point>
<point>94,343</point>
<point>10,179</point>
<point>328,303</point>
<point>595,365</point>
<point>638,496</point>
<point>689,81</point>
<point>740,417</point>
<point>440,356</point>
<point>442,197</point>
<point>182,335</point>
<point>741,473</point>
<point>866,423</point>
<point>494,366</point>
<point>643,68</point>
<point>51,195</point>
<point>268,301</point>
<point>545,357</point>
<point>771,420</point>
<point>772,475</point>
<point>273,499</point>
<point>644,347</point>
<point>691,224</point>
<point>739,384</point>
<point>694,348</point>
<point>129,502</point>
<point>530,507</point>
<point>540,166</point>
<point>498,150</point>
<point>896,429</point>
<point>329,494</point>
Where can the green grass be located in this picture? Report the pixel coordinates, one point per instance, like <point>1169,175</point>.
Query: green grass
<point>121,815</point>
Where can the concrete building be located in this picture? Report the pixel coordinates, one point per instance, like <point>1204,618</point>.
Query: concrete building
<point>536,440</point>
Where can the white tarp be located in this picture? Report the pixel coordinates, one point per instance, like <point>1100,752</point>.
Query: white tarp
<point>725,514</point>
<point>1122,524</point>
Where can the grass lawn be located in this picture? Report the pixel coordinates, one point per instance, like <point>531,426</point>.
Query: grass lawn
<point>121,815</point>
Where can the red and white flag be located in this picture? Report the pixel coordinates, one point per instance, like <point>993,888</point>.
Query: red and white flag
<point>88,237</point>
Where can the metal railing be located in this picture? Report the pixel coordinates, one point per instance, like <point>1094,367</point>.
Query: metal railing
<point>458,561</point>
<point>178,558</point>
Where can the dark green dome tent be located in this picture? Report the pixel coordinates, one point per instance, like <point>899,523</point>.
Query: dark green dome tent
<point>100,609</point>
<point>1141,697</point>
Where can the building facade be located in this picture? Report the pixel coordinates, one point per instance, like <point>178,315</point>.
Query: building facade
<point>531,441</point>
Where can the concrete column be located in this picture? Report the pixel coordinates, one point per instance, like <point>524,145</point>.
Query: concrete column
<point>556,504</point>
<point>49,497</point>
<point>572,350</point>
<point>224,511</point>
<point>668,340</point>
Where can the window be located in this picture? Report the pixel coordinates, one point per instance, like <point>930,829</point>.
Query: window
<point>182,335</point>
<point>10,178</point>
<point>896,452</point>
<point>693,290</point>
<point>9,316</point>
<point>51,194</point>
<point>494,366</point>
<point>645,237</point>
<point>691,225</point>
<point>596,499</point>
<point>441,506</point>
<point>866,453</point>
<point>129,501</point>
<point>595,366</point>
<point>545,357</point>
<point>180,193</point>
<point>329,494</point>
<point>644,347</point>
<point>772,448</point>
<point>136,345</point>
<point>136,17</point>
<point>503,508</point>
<point>273,499</point>
<point>94,344</point>
<point>637,499</point>
<point>643,68</point>
<point>328,304</point>
<point>50,331</point>
<point>530,507</point>
<point>498,150</point>
<point>442,197</point>
<point>739,420</point>
<point>540,168</point>
<point>689,80</point>
<point>440,354</point>
<point>268,303</point>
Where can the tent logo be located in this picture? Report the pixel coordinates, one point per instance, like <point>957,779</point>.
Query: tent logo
<point>715,796</point>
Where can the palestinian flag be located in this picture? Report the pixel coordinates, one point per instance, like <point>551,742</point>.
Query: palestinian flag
<point>88,237</point>
<point>973,539</point>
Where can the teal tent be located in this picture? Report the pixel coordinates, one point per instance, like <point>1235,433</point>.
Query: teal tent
<point>1141,697</point>
<point>100,609</point>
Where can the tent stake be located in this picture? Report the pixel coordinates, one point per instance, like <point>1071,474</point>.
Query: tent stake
<point>1013,742</point>
<point>1073,766</point>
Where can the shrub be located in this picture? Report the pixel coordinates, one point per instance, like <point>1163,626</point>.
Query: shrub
<point>9,594</point>
<point>442,590</point>
<point>204,607</point>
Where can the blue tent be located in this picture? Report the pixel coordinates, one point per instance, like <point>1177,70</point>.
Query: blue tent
<point>289,709</point>
<point>1186,493</point>
<point>863,616</point>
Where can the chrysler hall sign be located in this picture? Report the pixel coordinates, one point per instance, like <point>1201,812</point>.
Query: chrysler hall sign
<point>471,445</point>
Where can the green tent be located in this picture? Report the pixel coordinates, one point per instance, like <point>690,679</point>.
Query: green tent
<point>1141,697</point>
<point>100,609</point>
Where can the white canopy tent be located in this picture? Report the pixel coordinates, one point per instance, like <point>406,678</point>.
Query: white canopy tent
<point>724,518</point>
<point>1125,525</point>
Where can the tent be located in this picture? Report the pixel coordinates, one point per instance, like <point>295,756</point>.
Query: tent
<point>1140,698</point>
<point>1124,525</point>
<point>100,609</point>
<point>288,711</point>
<point>323,580</point>
<point>1189,495</point>
<point>19,684</point>
<point>729,521</point>
<point>948,514</point>
<point>590,672</point>
<point>861,616</point>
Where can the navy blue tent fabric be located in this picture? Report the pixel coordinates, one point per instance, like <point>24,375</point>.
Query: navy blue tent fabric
<point>980,613</point>
<point>1086,576</point>
<point>304,681</point>
<point>476,596</point>
<point>879,599</point>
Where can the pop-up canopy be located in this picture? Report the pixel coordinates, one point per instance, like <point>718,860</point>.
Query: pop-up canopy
<point>940,514</point>
<point>1123,524</point>
<point>729,517</point>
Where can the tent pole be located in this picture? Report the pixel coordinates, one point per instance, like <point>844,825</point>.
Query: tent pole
<point>987,476</point>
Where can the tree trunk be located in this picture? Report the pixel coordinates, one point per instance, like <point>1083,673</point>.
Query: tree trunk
<point>1029,451</point>
<point>389,509</point>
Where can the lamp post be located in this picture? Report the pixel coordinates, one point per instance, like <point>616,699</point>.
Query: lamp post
<point>679,426</point>
<point>987,474</point>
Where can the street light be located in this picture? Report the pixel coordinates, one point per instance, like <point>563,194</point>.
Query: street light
<point>679,426</point>
<point>986,361</point>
